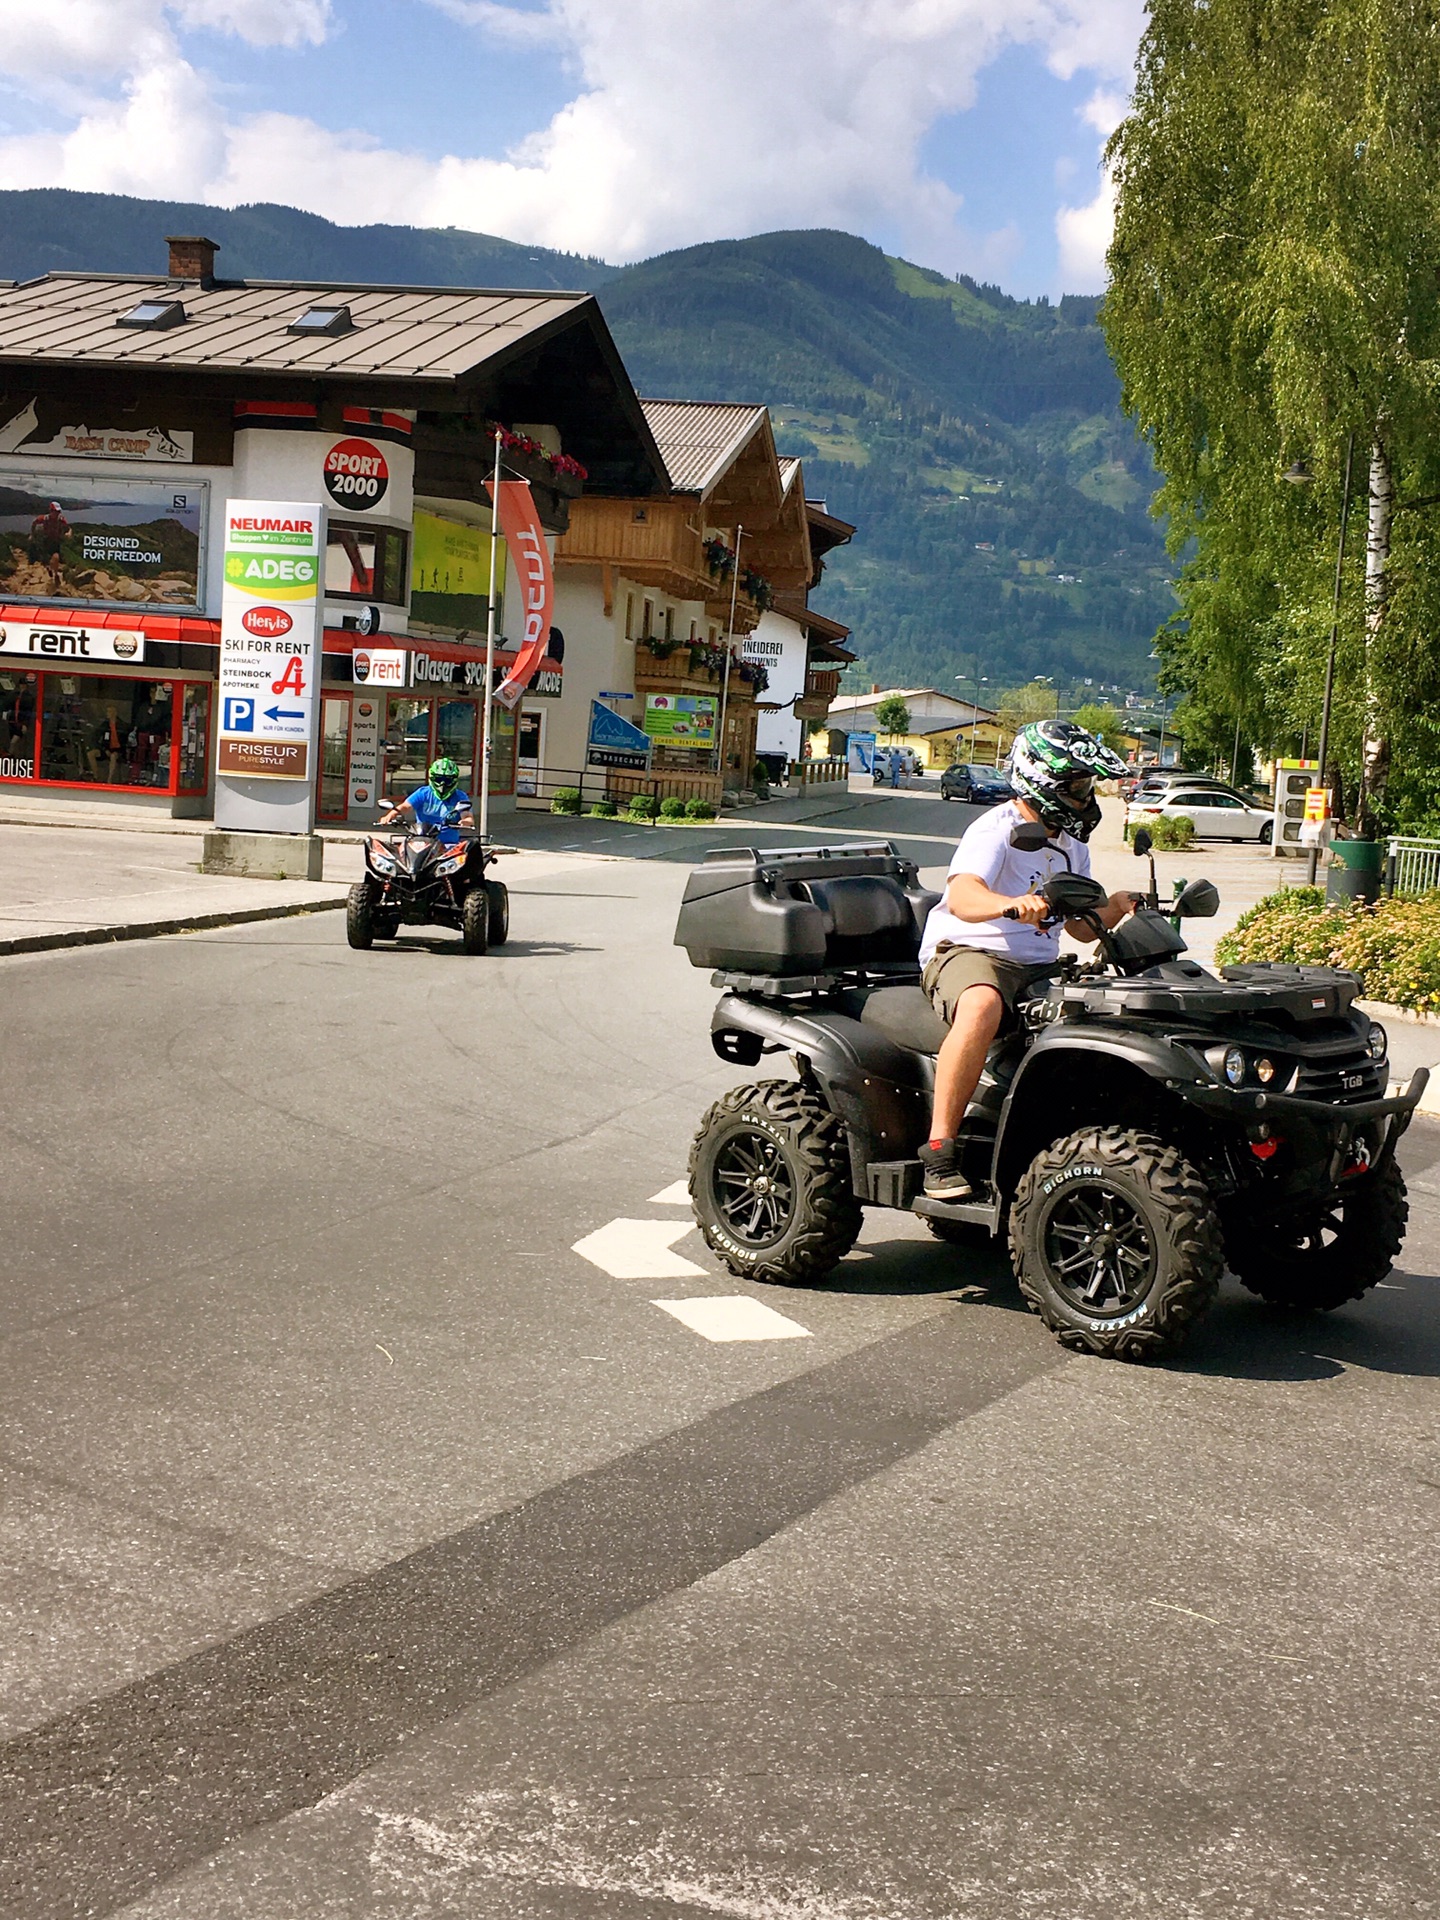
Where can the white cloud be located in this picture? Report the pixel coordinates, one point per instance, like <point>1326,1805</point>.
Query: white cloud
<point>692,119</point>
<point>1084,233</point>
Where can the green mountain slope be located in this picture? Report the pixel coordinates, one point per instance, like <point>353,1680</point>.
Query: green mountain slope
<point>45,229</point>
<point>975,439</point>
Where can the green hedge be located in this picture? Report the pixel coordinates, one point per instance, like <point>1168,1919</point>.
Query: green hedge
<point>567,800</point>
<point>1171,832</point>
<point>1394,946</point>
<point>698,809</point>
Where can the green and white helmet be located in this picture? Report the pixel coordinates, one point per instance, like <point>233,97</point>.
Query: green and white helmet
<point>1054,765</point>
<point>444,777</point>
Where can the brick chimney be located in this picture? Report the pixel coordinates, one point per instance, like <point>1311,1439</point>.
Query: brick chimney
<point>192,257</point>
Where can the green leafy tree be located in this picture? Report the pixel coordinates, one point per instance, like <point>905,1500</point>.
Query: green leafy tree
<point>1103,721</point>
<point>1274,294</point>
<point>1037,700</point>
<point>892,716</point>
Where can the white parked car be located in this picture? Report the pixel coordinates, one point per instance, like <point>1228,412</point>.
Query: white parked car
<point>1217,816</point>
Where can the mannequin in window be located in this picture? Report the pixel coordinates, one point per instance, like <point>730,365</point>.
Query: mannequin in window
<point>107,742</point>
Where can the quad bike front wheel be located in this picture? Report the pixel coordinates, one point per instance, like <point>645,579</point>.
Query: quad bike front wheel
<point>360,916</point>
<point>475,921</point>
<point>498,894</point>
<point>770,1184</point>
<point>1114,1243</point>
<point>1334,1253</point>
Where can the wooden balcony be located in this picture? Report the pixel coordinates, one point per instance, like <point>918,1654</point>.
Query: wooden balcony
<point>649,541</point>
<point>821,687</point>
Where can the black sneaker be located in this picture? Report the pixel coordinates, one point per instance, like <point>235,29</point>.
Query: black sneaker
<point>943,1178</point>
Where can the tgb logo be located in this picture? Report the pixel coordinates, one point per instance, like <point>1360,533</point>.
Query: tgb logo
<point>356,475</point>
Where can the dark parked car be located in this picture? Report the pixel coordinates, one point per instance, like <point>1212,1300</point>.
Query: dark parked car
<point>981,786</point>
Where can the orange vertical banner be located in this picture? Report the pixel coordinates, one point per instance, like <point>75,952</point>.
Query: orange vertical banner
<point>530,559</point>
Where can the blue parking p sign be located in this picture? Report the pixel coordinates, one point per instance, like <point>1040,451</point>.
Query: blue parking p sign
<point>239,714</point>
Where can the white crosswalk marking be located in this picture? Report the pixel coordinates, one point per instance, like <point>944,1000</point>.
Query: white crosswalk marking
<point>735,1316</point>
<point>638,1250</point>
<point>677,1194</point>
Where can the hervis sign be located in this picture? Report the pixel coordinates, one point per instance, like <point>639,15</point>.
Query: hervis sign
<point>270,638</point>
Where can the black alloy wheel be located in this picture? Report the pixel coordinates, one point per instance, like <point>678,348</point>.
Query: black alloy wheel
<point>1335,1253</point>
<point>754,1189</point>
<point>1099,1250</point>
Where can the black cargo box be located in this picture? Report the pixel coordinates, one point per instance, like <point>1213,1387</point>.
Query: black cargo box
<point>803,910</point>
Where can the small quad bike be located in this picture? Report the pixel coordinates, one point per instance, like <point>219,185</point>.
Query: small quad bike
<point>1147,1124</point>
<point>417,879</point>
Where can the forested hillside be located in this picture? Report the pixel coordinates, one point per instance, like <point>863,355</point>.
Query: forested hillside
<point>975,439</point>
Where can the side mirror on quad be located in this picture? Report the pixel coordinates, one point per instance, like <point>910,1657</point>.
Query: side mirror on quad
<point>1198,901</point>
<point>1029,837</point>
<point>1142,843</point>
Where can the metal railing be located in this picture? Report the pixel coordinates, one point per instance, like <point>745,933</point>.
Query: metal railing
<point>1412,865</point>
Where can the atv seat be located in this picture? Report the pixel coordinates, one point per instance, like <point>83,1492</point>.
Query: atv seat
<point>906,1018</point>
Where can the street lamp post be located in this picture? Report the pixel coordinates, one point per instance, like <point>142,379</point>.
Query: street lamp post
<point>981,680</point>
<point>1300,475</point>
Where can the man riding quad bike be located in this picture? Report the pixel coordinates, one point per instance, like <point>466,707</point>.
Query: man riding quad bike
<point>432,875</point>
<point>1134,1123</point>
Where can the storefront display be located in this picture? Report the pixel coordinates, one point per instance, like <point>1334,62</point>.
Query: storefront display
<point>104,730</point>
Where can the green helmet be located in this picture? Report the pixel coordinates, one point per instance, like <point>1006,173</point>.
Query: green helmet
<point>444,778</point>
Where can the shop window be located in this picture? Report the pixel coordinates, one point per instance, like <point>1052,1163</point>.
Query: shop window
<point>407,753</point>
<point>502,750</point>
<point>455,736</point>
<point>193,746</point>
<point>105,731</point>
<point>365,563</point>
<point>19,713</point>
<point>334,755</point>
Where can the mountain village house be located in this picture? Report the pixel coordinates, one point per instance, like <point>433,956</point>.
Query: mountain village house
<point>942,728</point>
<point>133,409</point>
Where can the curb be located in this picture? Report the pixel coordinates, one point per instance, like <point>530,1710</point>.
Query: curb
<point>1387,1010</point>
<point>152,929</point>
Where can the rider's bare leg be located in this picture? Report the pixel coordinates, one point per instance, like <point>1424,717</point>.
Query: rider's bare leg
<point>961,1058</point>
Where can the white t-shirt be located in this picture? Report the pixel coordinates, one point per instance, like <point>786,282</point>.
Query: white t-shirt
<point>987,853</point>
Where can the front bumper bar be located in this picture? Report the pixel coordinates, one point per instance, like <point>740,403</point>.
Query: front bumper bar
<point>1245,1104</point>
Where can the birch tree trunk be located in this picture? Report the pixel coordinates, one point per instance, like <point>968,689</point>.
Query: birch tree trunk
<point>1375,752</point>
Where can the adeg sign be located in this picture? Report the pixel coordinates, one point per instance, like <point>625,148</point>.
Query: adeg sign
<point>356,475</point>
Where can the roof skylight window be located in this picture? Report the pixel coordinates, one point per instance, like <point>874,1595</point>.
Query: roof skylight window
<point>327,320</point>
<point>155,315</point>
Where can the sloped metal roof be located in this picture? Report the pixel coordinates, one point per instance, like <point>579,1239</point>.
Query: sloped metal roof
<point>429,333</point>
<point>698,439</point>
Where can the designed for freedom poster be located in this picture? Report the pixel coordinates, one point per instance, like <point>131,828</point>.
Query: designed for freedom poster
<point>74,541</point>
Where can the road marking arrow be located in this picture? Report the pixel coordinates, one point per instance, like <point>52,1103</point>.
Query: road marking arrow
<point>638,1250</point>
<point>734,1316</point>
<point>675,1195</point>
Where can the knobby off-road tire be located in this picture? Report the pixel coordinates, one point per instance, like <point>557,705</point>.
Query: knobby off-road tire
<point>1152,1262</point>
<point>1342,1251</point>
<point>475,921</point>
<point>770,1184</point>
<point>360,916</point>
<point>498,894</point>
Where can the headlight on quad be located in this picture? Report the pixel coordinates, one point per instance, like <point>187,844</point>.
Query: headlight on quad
<point>450,866</point>
<point>382,862</point>
<point>1377,1040</point>
<point>1264,1071</point>
<point>1234,1066</point>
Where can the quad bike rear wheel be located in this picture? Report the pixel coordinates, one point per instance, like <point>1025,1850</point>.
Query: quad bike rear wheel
<point>1114,1243</point>
<point>475,921</point>
<point>1333,1254</point>
<point>360,916</point>
<point>770,1184</point>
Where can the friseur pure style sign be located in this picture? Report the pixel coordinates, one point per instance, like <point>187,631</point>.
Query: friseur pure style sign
<point>270,637</point>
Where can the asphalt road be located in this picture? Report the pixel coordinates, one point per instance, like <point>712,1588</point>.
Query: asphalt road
<point>369,1551</point>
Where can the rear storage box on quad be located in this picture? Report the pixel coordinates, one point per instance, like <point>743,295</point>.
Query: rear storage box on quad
<point>817,911</point>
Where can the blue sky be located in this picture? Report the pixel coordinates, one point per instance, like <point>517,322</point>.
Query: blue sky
<point>963,133</point>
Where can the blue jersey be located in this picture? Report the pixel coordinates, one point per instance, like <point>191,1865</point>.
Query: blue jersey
<point>431,811</point>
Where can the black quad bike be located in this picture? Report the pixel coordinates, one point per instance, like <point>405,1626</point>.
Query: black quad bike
<point>416,879</point>
<point>1146,1125</point>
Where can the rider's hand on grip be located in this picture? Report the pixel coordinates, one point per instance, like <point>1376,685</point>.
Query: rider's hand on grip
<point>1030,908</point>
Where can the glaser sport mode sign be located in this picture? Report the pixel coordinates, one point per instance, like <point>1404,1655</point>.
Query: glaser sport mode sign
<point>269,651</point>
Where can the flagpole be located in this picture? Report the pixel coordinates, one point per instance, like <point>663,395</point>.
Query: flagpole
<point>490,649</point>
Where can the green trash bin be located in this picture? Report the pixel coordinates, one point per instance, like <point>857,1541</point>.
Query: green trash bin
<point>1354,873</point>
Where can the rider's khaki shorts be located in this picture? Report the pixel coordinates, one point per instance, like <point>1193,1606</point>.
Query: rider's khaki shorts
<point>955,968</point>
